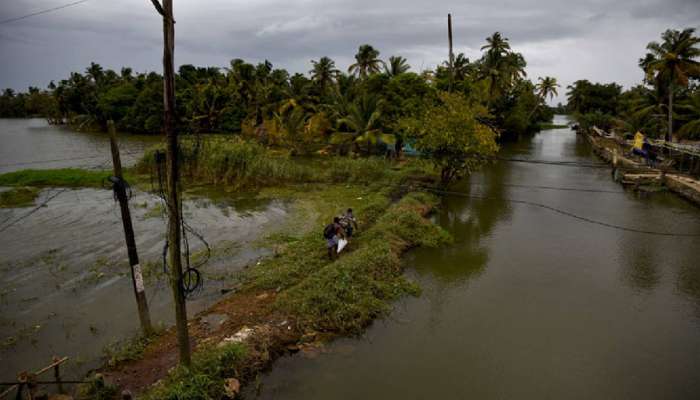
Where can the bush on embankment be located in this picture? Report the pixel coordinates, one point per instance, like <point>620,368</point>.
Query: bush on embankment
<point>241,163</point>
<point>18,197</point>
<point>345,295</point>
<point>339,297</point>
<point>204,379</point>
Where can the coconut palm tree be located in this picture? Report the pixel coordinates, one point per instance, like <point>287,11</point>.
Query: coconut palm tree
<point>324,72</point>
<point>461,67</point>
<point>397,65</point>
<point>496,47</point>
<point>502,73</point>
<point>671,63</point>
<point>644,111</point>
<point>691,116</point>
<point>95,72</point>
<point>362,118</point>
<point>366,61</point>
<point>292,122</point>
<point>546,87</point>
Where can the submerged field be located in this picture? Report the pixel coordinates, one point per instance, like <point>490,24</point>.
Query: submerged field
<point>294,297</point>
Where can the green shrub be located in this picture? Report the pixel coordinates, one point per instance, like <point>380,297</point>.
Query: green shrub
<point>18,197</point>
<point>211,365</point>
<point>241,163</point>
<point>345,295</point>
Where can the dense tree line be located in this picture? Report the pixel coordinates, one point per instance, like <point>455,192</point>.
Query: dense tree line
<point>665,105</point>
<point>354,110</point>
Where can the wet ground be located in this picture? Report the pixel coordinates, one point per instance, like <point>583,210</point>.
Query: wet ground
<point>65,287</point>
<point>529,303</point>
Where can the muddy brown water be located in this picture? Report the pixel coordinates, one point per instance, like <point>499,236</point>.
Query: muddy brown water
<point>65,288</point>
<point>33,143</point>
<point>528,303</point>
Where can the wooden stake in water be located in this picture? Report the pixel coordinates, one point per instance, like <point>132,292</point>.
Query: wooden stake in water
<point>120,191</point>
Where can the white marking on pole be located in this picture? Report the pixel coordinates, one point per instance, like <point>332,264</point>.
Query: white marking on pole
<point>138,278</point>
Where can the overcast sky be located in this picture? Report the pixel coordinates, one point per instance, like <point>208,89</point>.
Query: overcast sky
<point>583,39</point>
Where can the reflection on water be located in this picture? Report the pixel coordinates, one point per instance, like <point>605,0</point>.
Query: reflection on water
<point>65,287</point>
<point>528,303</point>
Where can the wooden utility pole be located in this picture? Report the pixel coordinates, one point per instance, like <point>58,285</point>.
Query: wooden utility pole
<point>451,61</point>
<point>120,191</point>
<point>171,164</point>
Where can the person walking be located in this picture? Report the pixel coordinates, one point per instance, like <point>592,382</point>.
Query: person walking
<point>349,223</point>
<point>333,233</point>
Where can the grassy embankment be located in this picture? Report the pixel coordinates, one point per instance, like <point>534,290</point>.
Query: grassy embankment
<point>26,184</point>
<point>18,197</point>
<point>64,177</point>
<point>317,297</point>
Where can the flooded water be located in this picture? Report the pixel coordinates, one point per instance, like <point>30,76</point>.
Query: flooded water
<point>65,287</point>
<point>529,303</point>
<point>33,143</point>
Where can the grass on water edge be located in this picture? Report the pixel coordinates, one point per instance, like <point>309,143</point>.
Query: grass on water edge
<point>64,177</point>
<point>337,297</point>
<point>18,197</point>
<point>203,379</point>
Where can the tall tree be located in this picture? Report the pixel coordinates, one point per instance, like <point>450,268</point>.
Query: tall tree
<point>496,47</point>
<point>363,120</point>
<point>671,63</point>
<point>461,67</point>
<point>324,72</point>
<point>546,87</point>
<point>366,61</point>
<point>397,65</point>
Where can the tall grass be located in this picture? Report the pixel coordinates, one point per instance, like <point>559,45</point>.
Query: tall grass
<point>241,163</point>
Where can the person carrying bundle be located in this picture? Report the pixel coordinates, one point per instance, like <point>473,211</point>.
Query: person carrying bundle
<point>333,233</point>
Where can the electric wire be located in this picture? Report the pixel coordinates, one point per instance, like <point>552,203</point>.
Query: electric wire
<point>560,211</point>
<point>191,280</point>
<point>32,211</point>
<point>40,12</point>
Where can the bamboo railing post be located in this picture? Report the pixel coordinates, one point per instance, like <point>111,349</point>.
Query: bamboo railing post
<point>57,375</point>
<point>20,389</point>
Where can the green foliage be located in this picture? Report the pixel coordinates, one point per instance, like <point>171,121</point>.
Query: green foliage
<point>305,254</point>
<point>585,97</point>
<point>345,295</point>
<point>96,389</point>
<point>211,365</point>
<point>243,163</point>
<point>18,197</point>
<point>65,177</point>
<point>247,98</point>
<point>117,353</point>
<point>689,111</point>
<point>656,108</point>
<point>451,135</point>
<point>597,118</point>
<point>33,103</point>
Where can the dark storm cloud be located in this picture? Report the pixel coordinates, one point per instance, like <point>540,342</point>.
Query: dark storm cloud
<point>593,39</point>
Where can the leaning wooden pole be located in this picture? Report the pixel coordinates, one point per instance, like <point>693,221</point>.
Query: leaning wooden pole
<point>173,200</point>
<point>451,59</point>
<point>120,191</point>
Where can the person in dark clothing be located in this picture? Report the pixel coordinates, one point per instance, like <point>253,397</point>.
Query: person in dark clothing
<point>348,222</point>
<point>332,233</point>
